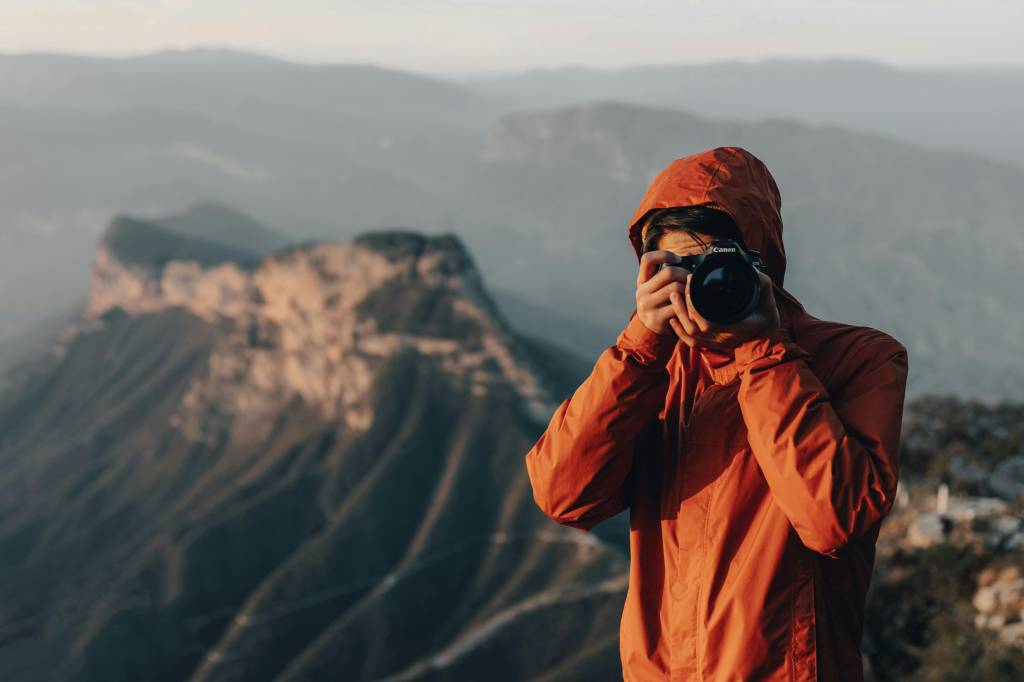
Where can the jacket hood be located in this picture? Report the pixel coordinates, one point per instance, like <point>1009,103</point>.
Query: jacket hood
<point>733,180</point>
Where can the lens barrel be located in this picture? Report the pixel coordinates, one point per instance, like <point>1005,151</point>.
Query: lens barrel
<point>725,286</point>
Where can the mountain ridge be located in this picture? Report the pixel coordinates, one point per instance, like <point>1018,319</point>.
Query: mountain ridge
<point>319,301</point>
<point>255,467</point>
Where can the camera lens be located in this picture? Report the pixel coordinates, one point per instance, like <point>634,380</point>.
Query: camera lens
<point>725,289</point>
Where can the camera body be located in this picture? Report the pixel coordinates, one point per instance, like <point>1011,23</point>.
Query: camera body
<point>724,287</point>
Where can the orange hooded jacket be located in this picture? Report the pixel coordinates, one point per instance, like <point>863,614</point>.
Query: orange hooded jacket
<point>756,480</point>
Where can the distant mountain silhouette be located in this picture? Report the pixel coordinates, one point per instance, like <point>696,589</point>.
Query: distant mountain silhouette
<point>930,106</point>
<point>216,223</point>
<point>917,241</point>
<point>150,245</point>
<point>305,468</point>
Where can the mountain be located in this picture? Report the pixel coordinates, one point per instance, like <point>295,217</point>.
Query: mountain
<point>321,151</point>
<point>918,241</point>
<point>935,107</point>
<point>208,234</point>
<point>216,223</point>
<point>147,245</point>
<point>309,466</point>
<point>574,334</point>
<point>289,468</point>
<point>22,351</point>
<point>227,84</point>
<point>206,231</point>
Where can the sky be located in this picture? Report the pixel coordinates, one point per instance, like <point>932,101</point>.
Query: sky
<point>468,37</point>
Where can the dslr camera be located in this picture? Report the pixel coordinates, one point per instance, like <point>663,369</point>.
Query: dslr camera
<point>724,286</point>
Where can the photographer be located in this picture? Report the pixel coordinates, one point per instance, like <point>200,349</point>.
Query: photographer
<point>757,457</point>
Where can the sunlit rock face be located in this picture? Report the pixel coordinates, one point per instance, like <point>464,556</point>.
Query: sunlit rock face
<point>315,323</point>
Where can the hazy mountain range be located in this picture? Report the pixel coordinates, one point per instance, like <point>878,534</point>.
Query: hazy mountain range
<point>538,174</point>
<point>974,110</point>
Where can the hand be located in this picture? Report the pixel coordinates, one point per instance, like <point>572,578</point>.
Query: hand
<point>653,287</point>
<point>694,330</point>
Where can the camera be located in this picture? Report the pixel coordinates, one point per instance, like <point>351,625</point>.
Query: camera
<point>724,286</point>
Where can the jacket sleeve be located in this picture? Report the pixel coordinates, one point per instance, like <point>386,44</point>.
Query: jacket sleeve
<point>831,463</point>
<point>579,467</point>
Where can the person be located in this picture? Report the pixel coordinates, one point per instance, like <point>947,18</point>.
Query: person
<point>757,460</point>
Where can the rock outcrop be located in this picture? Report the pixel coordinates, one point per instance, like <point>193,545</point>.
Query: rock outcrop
<point>295,465</point>
<point>316,323</point>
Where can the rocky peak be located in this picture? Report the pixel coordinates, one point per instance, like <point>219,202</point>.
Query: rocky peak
<point>314,322</point>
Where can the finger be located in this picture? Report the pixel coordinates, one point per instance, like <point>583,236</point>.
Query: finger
<point>665,278</point>
<point>677,327</point>
<point>662,277</point>
<point>662,310</point>
<point>660,296</point>
<point>680,310</point>
<point>706,337</point>
<point>702,324</point>
<point>697,340</point>
<point>650,261</point>
<point>665,314</point>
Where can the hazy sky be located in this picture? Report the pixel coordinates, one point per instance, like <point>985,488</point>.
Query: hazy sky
<point>463,36</point>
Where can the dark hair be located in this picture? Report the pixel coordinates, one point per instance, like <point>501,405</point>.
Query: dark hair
<point>689,219</point>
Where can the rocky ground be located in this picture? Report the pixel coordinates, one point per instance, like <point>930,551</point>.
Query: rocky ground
<point>947,596</point>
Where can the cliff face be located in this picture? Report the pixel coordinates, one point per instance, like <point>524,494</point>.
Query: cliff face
<point>289,466</point>
<point>316,323</point>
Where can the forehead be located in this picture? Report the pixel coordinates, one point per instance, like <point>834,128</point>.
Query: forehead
<point>679,240</point>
